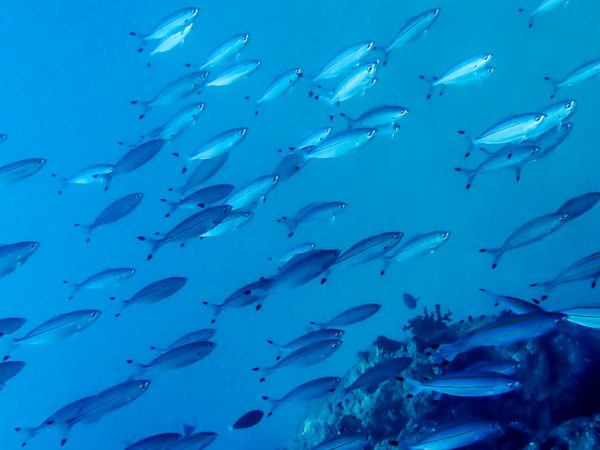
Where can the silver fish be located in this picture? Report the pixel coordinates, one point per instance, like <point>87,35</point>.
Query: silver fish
<point>219,144</point>
<point>383,371</point>
<point>577,206</point>
<point>170,24</point>
<point>232,47</point>
<point>586,316</point>
<point>201,198</point>
<point>555,114</point>
<point>9,325</point>
<point>13,256</point>
<point>503,366</point>
<point>457,436</point>
<point>305,267</point>
<point>157,291</point>
<point>356,83</point>
<point>18,171</point>
<point>465,384</point>
<point>533,231</point>
<point>469,71</point>
<point>341,144</point>
<point>281,85</point>
<point>178,357</point>
<point>8,370</point>
<point>297,250</point>
<point>204,172</point>
<point>233,221</point>
<point>514,304</point>
<point>349,58</point>
<point>380,119</point>
<point>178,123</point>
<point>102,280</point>
<point>97,174</point>
<point>311,337</point>
<point>113,212</point>
<point>313,212</point>
<point>60,327</point>
<point>413,29</point>
<point>416,246</point>
<point>314,138</point>
<point>310,390</point>
<point>205,334</point>
<point>551,139</point>
<point>235,73</point>
<point>371,248</point>
<point>249,196</point>
<point>587,268</point>
<point>583,73</point>
<point>170,42</point>
<point>193,226</point>
<point>350,316</point>
<point>545,6</point>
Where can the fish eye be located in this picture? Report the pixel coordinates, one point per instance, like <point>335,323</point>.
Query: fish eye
<point>539,118</point>
<point>242,131</point>
<point>342,205</point>
<point>371,133</point>
<point>369,45</point>
<point>373,81</point>
<point>275,178</point>
<point>245,37</point>
<point>491,69</point>
<point>569,105</point>
<point>93,314</point>
<point>371,68</point>
<point>446,235</point>
<point>299,71</point>
<point>487,57</point>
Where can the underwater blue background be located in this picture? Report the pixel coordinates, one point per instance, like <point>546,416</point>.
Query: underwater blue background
<point>70,71</point>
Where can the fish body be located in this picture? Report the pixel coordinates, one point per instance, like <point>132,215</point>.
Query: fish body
<point>233,221</point>
<point>515,129</point>
<point>196,441</point>
<point>371,248</point>
<point>586,316</point>
<point>244,296</point>
<point>178,123</point>
<point>356,83</point>
<point>457,436</point>
<point>413,29</point>
<point>314,212</point>
<point>157,291</point>
<point>137,157</point>
<point>205,334</point>
<point>291,164</point>
<point>314,137</point>
<point>465,384</point>
<point>17,171</point>
<point>235,73</point>
<point>249,196</point>
<point>410,300</point>
<point>304,267</point>
<point>233,46</point>
<point>281,85</point>
<point>204,172</point>
<point>375,375</point>
<point>465,72</point>
<point>311,337</point>
<point>556,114</point>
<point>344,442</point>
<point>161,441</point>
<point>219,144</point>
<point>248,420</point>
<point>13,256</point>
<point>417,246</point>
<point>203,197</point>
<point>170,42</point>
<point>114,212</point>
<point>104,279</point>
<point>9,369</point>
<point>514,304</point>
<point>503,366</point>
<point>379,118</point>
<point>307,355</point>
<point>297,250</point>
<point>351,316</point>
<point>341,144</point>
<point>172,23</point>
<point>176,90</point>
<point>583,73</point>
<point>584,269</point>
<point>347,59</point>
<point>9,325</point>
<point>310,390</point>
<point>577,206</point>
<point>60,327</point>
<point>179,357</point>
<point>97,174</point>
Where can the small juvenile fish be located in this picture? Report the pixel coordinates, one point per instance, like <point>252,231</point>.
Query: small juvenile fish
<point>514,304</point>
<point>170,42</point>
<point>13,256</point>
<point>244,296</point>
<point>9,325</point>
<point>97,174</point>
<point>196,441</point>
<point>533,231</point>
<point>192,227</point>
<point>457,436</point>
<point>204,172</point>
<point>60,327</point>
<point>281,85</point>
<point>586,316</point>
<point>219,144</point>
<point>156,442</point>
<point>375,375</point>
<point>248,420</point>
<point>201,198</point>
<point>378,119</point>
<point>545,6</point>
<point>587,268</point>
<point>297,250</point>
<point>582,73</point>
<point>371,248</point>
<point>356,83</point>
<point>417,246</point>
<point>233,221</point>
<point>205,334</point>
<point>310,338</point>
<point>137,157</point>
<point>304,356</point>
<point>249,196</point>
<point>177,358</point>
<point>157,291</point>
<point>503,366</point>
<point>410,301</point>
<point>513,157</point>
<point>465,384</point>
<point>305,267</point>
<point>413,29</point>
<point>503,332</point>
<point>577,206</point>
<point>176,90</point>
<point>235,73</point>
<point>314,138</point>
<point>310,390</point>
<point>170,24</point>
<point>350,316</point>
<point>313,212</point>
<point>102,280</point>
<point>232,47</point>
<point>349,58</point>
<point>348,441</point>
<point>17,171</point>
<point>113,212</point>
<point>178,123</point>
<point>469,71</point>
<point>341,144</point>
<point>556,115</point>
<point>8,370</point>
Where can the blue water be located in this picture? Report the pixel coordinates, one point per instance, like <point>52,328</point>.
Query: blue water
<point>70,71</point>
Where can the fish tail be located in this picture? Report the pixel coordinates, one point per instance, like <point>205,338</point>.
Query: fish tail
<point>138,368</point>
<point>154,245</point>
<point>412,387</point>
<point>64,182</point>
<point>290,224</point>
<point>215,307</point>
<point>10,344</point>
<point>349,120</point>
<point>273,402</point>
<point>554,84</point>
<point>430,81</point>
<point>445,353</point>
<point>157,349</point>
<point>172,206</point>
<point>490,294</point>
<point>145,107</point>
<point>28,433</point>
<point>87,228</point>
<point>75,288</point>
<point>469,173</point>
<point>470,141</point>
<point>106,181</point>
<point>275,344</point>
<point>547,285</point>
<point>495,252</point>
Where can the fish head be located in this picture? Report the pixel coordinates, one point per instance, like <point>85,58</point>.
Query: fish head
<point>193,13</point>
<point>368,46</point>
<point>513,384</point>
<point>139,196</point>
<point>371,133</point>
<point>341,206</point>
<point>242,131</point>
<point>27,249</point>
<point>435,12</point>
<point>298,71</point>
<point>274,179</point>
<point>198,109</point>
<point>487,58</point>
<point>245,38</point>
<point>445,235</point>
<point>3,137</point>
<point>40,162</point>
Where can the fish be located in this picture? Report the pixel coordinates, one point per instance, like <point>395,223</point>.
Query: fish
<point>233,221</point>
<point>290,165</point>
<point>170,42</point>
<point>347,59</point>
<point>532,231</point>
<point>356,83</point>
<point>465,384</point>
<point>204,172</point>
<point>379,119</point>
<point>383,371</point>
<point>503,366</point>
<point>579,205</point>
<point>20,170</point>
<point>416,246</point>
<point>370,248</point>
<point>556,114</point>
<point>9,325</point>
<point>178,123</point>
<point>586,316</point>
<point>304,356</point>
<point>195,441</point>
<point>244,296</point>
<point>89,409</point>
<point>314,138</point>
<point>347,441</point>
<point>8,370</point>
<point>201,198</point>
<point>514,304</point>
<point>350,316</point>
<point>136,157</point>
<point>469,71</point>
<point>583,269</point>
<point>157,442</point>
<point>249,196</point>
<point>193,226</point>
<point>176,358</point>
<point>13,256</point>
<point>341,144</point>
<point>102,280</point>
<point>235,73</point>
<point>503,332</point>
<point>545,6</point>
<point>410,300</point>
<point>313,212</point>
<point>297,250</point>
<point>281,85</point>
<point>205,334</point>
<point>311,337</point>
<point>170,24</point>
<point>175,91</point>
<point>550,140</point>
<point>513,158</point>
<point>311,390</point>
<point>232,47</point>
<point>456,436</point>
<point>220,144</point>
<point>305,267</point>
<point>248,420</point>
<point>113,212</point>
<point>582,73</point>
<point>155,292</point>
<point>413,29</point>
<point>514,130</point>
<point>97,174</point>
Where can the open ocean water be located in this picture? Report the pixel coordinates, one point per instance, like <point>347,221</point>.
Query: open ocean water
<point>71,70</point>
